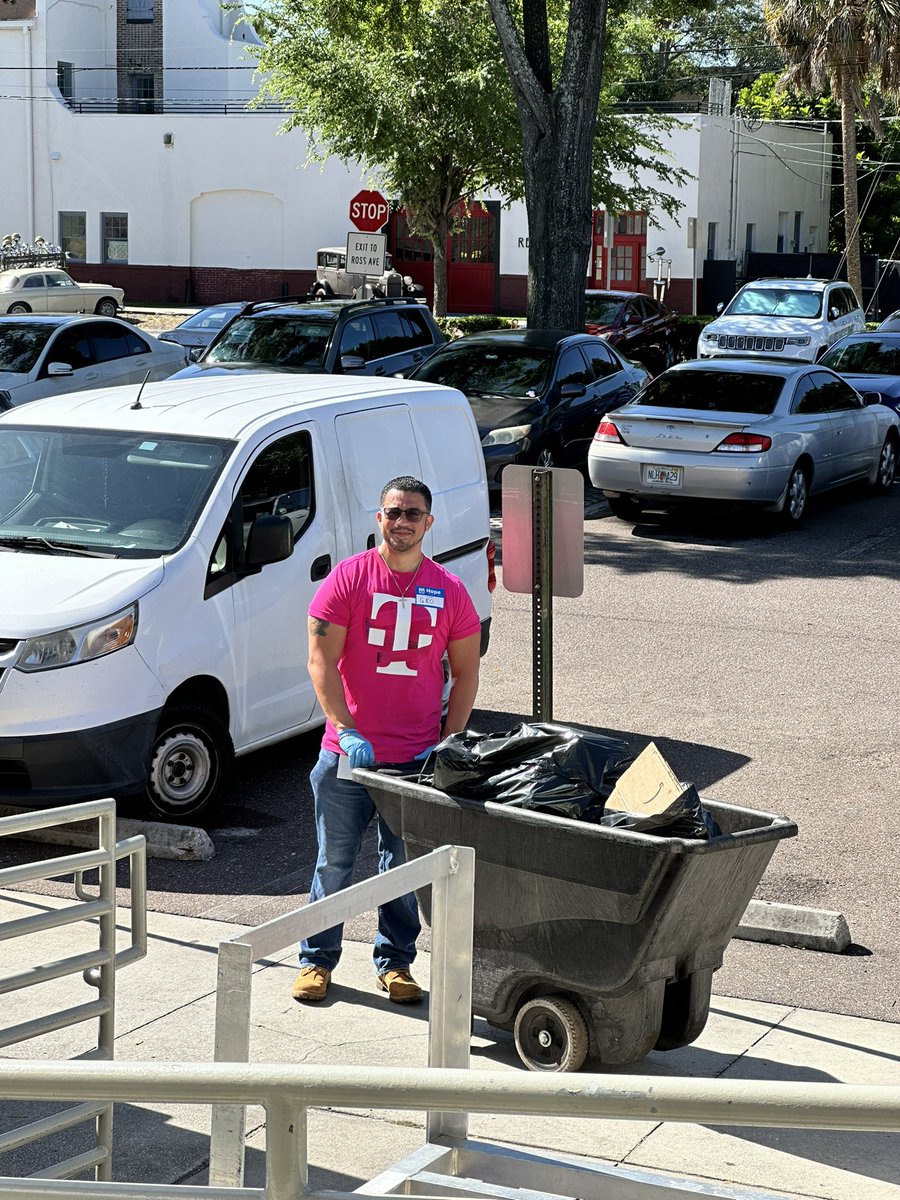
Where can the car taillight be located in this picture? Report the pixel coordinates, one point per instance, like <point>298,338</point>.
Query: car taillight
<point>491,556</point>
<point>607,432</point>
<point>749,443</point>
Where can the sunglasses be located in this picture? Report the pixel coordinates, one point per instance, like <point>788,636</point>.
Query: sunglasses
<point>412,514</point>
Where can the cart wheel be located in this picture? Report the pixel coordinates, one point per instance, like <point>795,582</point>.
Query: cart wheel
<point>551,1035</point>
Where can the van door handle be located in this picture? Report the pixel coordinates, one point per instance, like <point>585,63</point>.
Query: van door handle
<point>320,568</point>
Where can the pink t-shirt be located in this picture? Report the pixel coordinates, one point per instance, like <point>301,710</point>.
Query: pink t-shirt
<point>391,664</point>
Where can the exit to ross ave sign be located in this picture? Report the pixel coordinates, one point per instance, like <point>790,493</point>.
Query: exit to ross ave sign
<point>365,253</point>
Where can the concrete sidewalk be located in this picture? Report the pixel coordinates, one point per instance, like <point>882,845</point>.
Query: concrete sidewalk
<point>165,1012</point>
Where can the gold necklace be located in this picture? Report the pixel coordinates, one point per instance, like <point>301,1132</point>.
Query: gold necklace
<point>404,592</point>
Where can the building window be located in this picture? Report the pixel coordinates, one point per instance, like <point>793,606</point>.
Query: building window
<point>73,235</point>
<point>473,238</point>
<point>622,263</point>
<point>782,232</point>
<point>142,90</point>
<point>408,247</point>
<point>750,238</point>
<point>139,10</point>
<point>798,222</point>
<point>64,80</point>
<point>114,237</point>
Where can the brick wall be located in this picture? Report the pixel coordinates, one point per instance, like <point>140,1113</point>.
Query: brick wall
<point>193,285</point>
<point>139,50</point>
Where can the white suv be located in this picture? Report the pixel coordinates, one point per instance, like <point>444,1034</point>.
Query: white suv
<point>787,318</point>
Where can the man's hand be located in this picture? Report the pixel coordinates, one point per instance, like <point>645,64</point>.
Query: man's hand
<point>358,750</point>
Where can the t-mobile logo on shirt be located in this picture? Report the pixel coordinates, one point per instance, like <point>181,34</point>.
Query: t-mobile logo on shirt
<point>402,631</point>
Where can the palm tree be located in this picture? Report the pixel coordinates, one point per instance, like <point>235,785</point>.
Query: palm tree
<point>844,45</point>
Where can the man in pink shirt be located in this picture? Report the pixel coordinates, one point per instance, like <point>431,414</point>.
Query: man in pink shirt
<point>379,626</point>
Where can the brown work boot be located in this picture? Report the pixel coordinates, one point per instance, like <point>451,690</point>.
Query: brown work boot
<point>311,984</point>
<point>400,987</point>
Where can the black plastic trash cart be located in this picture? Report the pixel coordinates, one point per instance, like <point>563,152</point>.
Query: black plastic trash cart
<point>589,940</point>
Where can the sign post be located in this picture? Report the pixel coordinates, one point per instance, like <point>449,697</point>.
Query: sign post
<point>543,553</point>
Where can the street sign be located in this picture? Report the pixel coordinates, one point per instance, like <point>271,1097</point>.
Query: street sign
<point>365,253</point>
<point>368,211</point>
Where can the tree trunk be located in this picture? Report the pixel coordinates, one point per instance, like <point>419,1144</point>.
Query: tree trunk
<point>558,126</point>
<point>439,245</point>
<point>851,198</point>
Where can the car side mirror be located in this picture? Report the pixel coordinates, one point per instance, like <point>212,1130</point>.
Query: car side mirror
<point>58,368</point>
<point>720,306</point>
<point>872,398</point>
<point>352,362</point>
<point>271,540</point>
<point>194,353</point>
<point>570,391</point>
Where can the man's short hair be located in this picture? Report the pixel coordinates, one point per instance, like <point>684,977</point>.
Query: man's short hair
<point>406,483</point>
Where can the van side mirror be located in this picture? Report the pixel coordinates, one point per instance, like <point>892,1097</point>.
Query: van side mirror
<point>58,368</point>
<point>271,540</point>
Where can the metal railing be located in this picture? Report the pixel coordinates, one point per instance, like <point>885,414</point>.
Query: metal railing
<point>97,966</point>
<point>286,1092</point>
<point>450,872</point>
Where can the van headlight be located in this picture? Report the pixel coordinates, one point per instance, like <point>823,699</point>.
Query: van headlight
<point>79,644</point>
<point>506,436</point>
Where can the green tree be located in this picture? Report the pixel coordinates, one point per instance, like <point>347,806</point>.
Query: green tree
<point>841,45</point>
<point>416,94</point>
<point>665,49</point>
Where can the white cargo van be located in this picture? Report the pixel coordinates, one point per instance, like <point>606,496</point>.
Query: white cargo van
<point>157,556</point>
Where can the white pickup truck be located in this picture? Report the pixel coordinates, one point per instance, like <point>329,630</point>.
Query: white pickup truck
<point>46,290</point>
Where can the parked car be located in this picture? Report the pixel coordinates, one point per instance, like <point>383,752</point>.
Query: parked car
<point>351,337</point>
<point>157,562</point>
<point>333,279</point>
<point>891,323</point>
<point>790,318</point>
<point>39,290</point>
<point>635,324</point>
<point>43,356</point>
<point>536,394</point>
<point>870,362</point>
<point>197,331</point>
<point>770,434</point>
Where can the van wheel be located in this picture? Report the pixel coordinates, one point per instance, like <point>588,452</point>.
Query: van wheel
<point>106,308</point>
<point>189,764</point>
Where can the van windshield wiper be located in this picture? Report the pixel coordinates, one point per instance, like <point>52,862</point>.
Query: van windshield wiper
<point>33,542</point>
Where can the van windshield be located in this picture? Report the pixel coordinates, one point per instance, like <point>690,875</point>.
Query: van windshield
<point>98,490</point>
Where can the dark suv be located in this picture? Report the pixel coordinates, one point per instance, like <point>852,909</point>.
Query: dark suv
<point>343,337</point>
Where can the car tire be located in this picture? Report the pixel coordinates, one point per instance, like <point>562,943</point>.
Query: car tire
<point>886,467</point>
<point>106,307</point>
<point>796,495</point>
<point>190,763</point>
<point>626,508</point>
<point>15,309</point>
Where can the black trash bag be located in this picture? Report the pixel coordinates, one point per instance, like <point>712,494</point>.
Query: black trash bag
<point>549,768</point>
<point>685,817</point>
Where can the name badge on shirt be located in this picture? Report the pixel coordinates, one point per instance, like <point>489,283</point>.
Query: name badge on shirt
<point>430,597</point>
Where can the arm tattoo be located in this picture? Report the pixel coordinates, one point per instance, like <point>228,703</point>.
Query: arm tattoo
<point>320,627</point>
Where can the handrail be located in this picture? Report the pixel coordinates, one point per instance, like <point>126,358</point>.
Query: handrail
<point>287,1091</point>
<point>97,967</point>
<point>450,872</point>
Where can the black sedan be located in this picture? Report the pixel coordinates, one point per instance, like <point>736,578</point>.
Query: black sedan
<point>870,362</point>
<point>537,395</point>
<point>637,325</point>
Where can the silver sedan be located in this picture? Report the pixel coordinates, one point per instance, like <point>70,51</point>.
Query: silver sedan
<point>768,433</point>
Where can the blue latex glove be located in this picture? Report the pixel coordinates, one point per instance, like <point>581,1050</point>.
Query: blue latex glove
<point>428,750</point>
<point>357,749</point>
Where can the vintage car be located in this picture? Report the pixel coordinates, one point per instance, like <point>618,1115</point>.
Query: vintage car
<point>49,290</point>
<point>333,279</point>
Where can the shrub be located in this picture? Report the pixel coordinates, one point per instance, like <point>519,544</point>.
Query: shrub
<point>454,327</point>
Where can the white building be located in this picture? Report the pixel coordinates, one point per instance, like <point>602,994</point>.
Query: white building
<point>127,138</point>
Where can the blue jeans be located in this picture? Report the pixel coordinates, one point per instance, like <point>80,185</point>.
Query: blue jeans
<point>344,811</point>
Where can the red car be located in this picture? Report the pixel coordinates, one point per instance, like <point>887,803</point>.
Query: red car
<point>637,325</point>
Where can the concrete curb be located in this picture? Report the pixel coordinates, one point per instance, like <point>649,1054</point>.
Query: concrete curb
<point>792,925</point>
<point>185,842</point>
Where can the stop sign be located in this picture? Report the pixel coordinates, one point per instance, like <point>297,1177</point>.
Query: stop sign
<point>368,211</point>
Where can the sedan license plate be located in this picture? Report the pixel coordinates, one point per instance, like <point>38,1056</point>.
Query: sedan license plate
<point>662,476</point>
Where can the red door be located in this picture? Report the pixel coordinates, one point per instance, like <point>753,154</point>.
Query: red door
<point>472,260</point>
<point>623,269</point>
